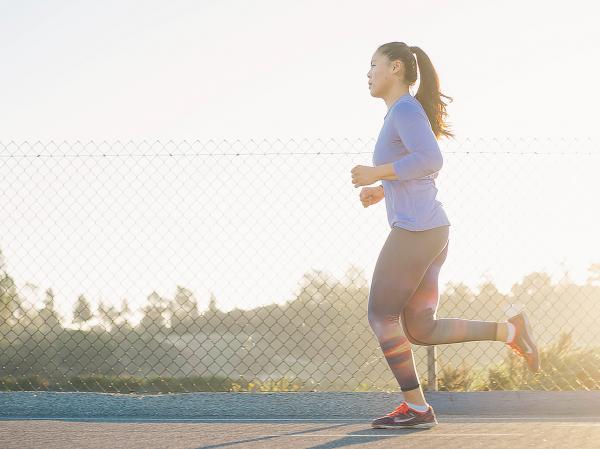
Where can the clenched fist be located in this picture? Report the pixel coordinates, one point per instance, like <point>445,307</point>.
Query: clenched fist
<point>371,195</point>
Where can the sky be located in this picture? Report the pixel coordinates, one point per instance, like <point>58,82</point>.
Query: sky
<point>250,75</point>
<point>119,70</point>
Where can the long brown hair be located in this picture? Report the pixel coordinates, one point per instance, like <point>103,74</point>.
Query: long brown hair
<point>429,94</point>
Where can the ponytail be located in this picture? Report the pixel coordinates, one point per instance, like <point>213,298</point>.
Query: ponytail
<point>429,94</point>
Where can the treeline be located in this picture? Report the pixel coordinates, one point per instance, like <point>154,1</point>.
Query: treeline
<point>320,337</point>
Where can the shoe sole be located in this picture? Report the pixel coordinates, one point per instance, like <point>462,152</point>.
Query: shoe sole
<point>530,343</point>
<point>420,426</point>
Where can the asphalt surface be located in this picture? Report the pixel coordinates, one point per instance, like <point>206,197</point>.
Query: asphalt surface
<point>451,432</point>
<point>490,420</point>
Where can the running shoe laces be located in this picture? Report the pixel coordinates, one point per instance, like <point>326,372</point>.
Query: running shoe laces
<point>400,410</point>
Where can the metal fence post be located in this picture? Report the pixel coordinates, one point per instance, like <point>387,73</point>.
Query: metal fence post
<point>431,368</point>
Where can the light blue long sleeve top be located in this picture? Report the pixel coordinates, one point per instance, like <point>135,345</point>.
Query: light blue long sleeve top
<point>407,140</point>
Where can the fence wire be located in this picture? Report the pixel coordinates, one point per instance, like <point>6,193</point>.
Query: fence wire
<point>208,266</point>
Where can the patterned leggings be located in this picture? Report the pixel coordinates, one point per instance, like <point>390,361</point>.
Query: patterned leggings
<point>405,286</point>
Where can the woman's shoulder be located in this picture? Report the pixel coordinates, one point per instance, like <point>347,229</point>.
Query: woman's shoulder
<point>408,107</point>
<point>408,115</point>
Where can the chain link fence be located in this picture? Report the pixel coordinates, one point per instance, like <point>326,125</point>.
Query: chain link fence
<point>245,266</point>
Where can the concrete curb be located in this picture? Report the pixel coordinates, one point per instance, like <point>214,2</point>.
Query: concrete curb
<point>293,405</point>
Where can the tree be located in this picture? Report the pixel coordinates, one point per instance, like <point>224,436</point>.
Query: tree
<point>212,304</point>
<point>107,314</point>
<point>184,310</point>
<point>154,320</point>
<point>82,312</point>
<point>48,313</point>
<point>9,299</point>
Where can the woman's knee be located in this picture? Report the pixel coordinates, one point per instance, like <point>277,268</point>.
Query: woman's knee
<point>382,323</point>
<point>378,321</point>
<point>419,324</point>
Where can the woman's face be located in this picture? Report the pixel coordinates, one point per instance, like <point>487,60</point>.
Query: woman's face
<point>382,74</point>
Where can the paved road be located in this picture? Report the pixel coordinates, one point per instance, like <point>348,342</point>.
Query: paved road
<point>467,420</point>
<point>453,432</point>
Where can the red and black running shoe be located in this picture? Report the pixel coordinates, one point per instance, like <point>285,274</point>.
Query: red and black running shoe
<point>522,343</point>
<point>405,417</point>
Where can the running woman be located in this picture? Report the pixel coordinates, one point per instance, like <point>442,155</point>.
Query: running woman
<point>403,296</point>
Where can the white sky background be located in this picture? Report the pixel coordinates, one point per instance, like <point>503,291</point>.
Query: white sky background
<point>200,70</point>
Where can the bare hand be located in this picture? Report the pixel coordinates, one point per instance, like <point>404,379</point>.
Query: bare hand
<point>371,195</point>
<point>363,175</point>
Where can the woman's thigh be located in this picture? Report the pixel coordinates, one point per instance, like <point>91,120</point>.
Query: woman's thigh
<point>422,305</point>
<point>427,295</point>
<point>400,267</point>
